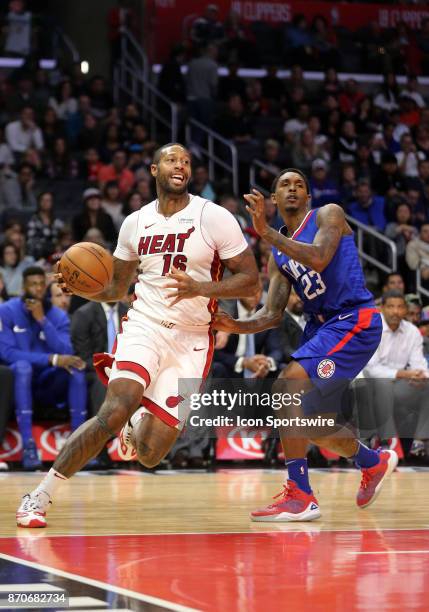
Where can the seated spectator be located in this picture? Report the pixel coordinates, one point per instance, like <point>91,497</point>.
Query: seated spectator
<point>101,99</point>
<point>89,135</point>
<point>331,85</point>
<point>201,86</point>
<point>275,159</point>
<point>136,161</point>
<point>365,166</point>
<point>394,282</point>
<point>398,371</point>
<point>422,141</point>
<point>323,189</point>
<point>64,103</point>
<point>111,143</point>
<point>112,203</point>
<point>411,90</point>
<point>387,98</point>
<point>399,128</point>
<point>298,42</point>
<point>43,228</point>
<point>306,151</point>
<point>293,127</point>
<point>231,204</point>
<point>58,298</point>
<point>43,364</point>
<point>93,216</point>
<point>367,117</point>
<point>324,42</point>
<point>347,143</point>
<point>117,171</point>
<point>388,181</point>
<point>12,267</point>
<point>389,137</point>
<point>348,185</point>
<point>257,105</point>
<point>414,308</point>
<point>60,164</point>
<point>133,203</point>
<point>91,165</point>
<point>143,188</point>
<point>235,123</point>
<point>350,98</point>
<point>24,133</point>
<point>409,111</point>
<point>200,184</point>
<point>417,252</point>
<point>418,204</point>
<point>6,155</point>
<point>321,140</point>
<point>292,326</point>
<point>367,208</point>
<point>4,296</point>
<point>238,43</point>
<point>207,28</point>
<point>18,29</point>
<point>171,81</point>
<point>52,128</point>
<point>401,231</point>
<point>249,355</point>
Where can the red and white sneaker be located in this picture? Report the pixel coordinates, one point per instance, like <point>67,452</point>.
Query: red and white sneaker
<point>32,511</point>
<point>294,505</point>
<point>372,478</point>
<point>126,450</point>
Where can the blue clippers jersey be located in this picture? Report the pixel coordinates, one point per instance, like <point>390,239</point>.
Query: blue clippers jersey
<point>341,285</point>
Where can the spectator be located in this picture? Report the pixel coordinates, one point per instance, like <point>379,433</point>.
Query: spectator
<point>111,143</point>
<point>306,151</point>
<point>398,371</point>
<point>12,268</point>
<point>231,204</point>
<point>64,104</point>
<point>347,143</point>
<point>133,203</point>
<point>331,85</point>
<point>422,141</point>
<point>323,189</point>
<point>207,28</point>
<point>232,84</point>
<point>23,97</point>
<point>24,133</point>
<point>200,184</point>
<point>273,87</point>
<point>93,216</point>
<point>143,187</point>
<point>3,293</point>
<point>6,155</point>
<point>401,232</point>
<point>58,298</point>
<point>350,99</point>
<point>388,181</point>
<point>100,98</point>
<point>112,204</point>
<point>89,133</point>
<point>411,90</point>
<point>417,204</point>
<point>91,165</point>
<point>324,42</point>
<point>387,98</point>
<point>367,208</point>
<point>293,127</point>
<point>249,355</point>
<point>275,159</point>
<point>117,171</point>
<point>236,124</point>
<point>417,253</point>
<point>43,365</point>
<point>271,214</point>
<point>292,326</point>
<point>60,164</point>
<point>409,112</point>
<point>201,85</point>
<point>394,282</point>
<point>348,185</point>
<point>43,228</point>
<point>298,41</point>
<point>239,43</point>
<point>414,308</point>
<point>52,128</point>
<point>18,29</point>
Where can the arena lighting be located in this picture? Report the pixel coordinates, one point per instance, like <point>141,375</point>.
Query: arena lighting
<point>84,67</point>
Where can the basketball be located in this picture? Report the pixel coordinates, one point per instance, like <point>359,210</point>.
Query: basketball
<point>86,268</point>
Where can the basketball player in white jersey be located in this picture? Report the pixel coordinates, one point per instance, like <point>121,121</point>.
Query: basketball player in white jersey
<point>180,244</point>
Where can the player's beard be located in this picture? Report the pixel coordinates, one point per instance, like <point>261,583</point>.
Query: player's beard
<point>166,186</point>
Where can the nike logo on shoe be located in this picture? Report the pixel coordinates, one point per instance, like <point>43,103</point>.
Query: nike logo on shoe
<point>19,330</point>
<point>342,317</point>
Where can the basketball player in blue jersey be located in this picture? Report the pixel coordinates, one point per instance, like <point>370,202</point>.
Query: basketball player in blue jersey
<point>315,253</point>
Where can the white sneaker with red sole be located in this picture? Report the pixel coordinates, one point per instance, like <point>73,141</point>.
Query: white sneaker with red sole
<point>32,511</point>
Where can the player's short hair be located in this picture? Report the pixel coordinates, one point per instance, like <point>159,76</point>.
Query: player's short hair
<point>159,151</point>
<point>297,171</point>
<point>33,271</point>
<point>392,293</point>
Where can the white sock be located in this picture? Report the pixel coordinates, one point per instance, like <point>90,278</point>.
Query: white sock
<point>50,482</point>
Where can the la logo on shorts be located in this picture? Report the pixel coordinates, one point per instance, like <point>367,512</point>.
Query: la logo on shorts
<point>326,368</point>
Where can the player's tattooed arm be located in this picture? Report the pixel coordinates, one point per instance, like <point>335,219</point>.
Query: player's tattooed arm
<point>331,222</point>
<point>123,275</point>
<point>243,281</point>
<point>267,317</point>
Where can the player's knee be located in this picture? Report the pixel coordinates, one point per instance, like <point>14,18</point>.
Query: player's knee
<point>116,410</point>
<point>147,456</point>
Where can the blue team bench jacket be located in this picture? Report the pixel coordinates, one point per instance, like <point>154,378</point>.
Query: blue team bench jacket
<point>23,338</point>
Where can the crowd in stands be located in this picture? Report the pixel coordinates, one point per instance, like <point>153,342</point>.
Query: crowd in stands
<point>73,165</point>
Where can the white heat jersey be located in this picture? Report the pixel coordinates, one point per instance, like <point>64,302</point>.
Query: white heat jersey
<point>195,240</point>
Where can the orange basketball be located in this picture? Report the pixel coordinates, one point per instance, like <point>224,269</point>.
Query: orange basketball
<point>86,268</point>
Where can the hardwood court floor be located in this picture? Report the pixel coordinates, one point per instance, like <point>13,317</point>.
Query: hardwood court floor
<point>184,541</point>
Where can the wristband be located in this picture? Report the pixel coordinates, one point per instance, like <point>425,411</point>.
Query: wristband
<point>55,360</point>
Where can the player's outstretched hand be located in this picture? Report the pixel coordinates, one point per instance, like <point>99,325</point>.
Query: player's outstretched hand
<point>256,208</point>
<point>58,278</point>
<point>185,286</point>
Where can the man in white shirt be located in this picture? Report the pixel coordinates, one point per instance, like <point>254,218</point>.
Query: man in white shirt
<point>24,133</point>
<point>398,372</point>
